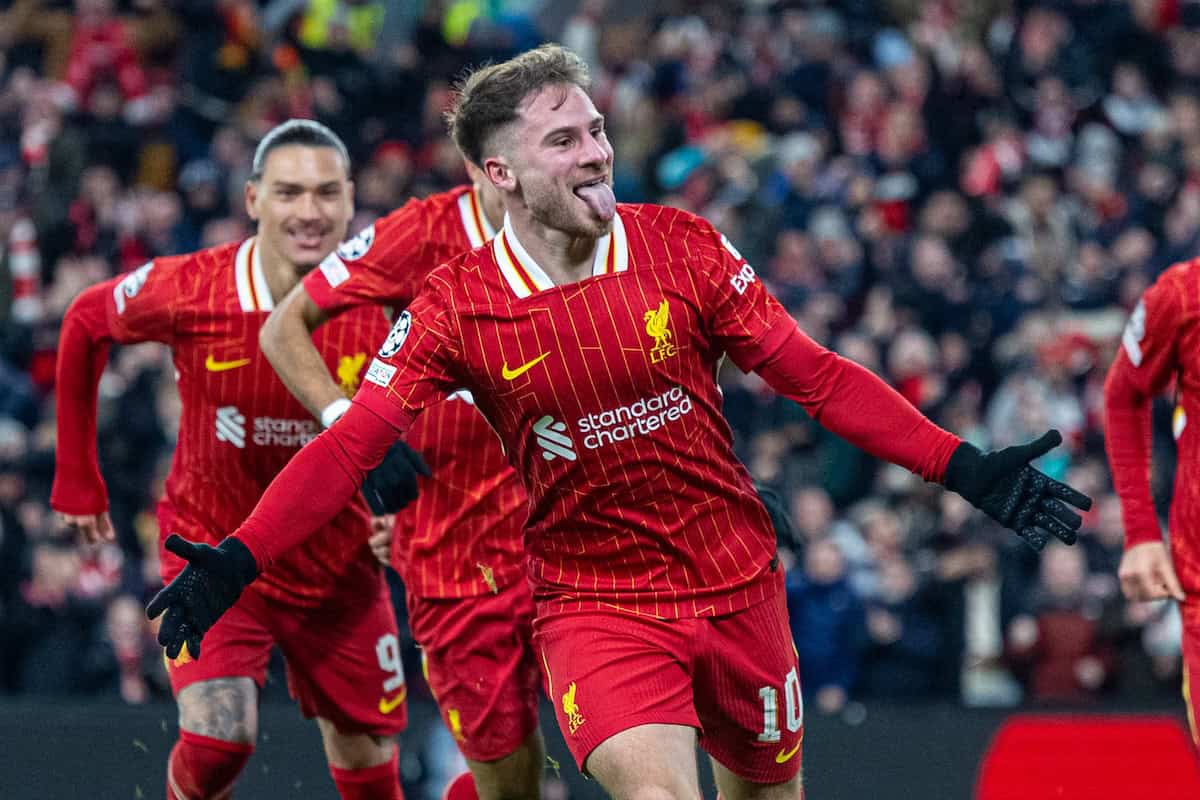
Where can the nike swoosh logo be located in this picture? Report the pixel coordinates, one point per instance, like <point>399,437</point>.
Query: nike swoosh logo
<point>783,757</point>
<point>388,706</point>
<point>513,374</point>
<point>212,365</point>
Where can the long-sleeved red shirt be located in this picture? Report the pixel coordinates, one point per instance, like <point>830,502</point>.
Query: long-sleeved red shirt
<point>605,396</point>
<point>1161,344</point>
<point>239,425</point>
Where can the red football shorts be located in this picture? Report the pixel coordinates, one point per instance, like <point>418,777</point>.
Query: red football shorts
<point>1191,663</point>
<point>734,678</point>
<point>481,667</point>
<point>343,659</point>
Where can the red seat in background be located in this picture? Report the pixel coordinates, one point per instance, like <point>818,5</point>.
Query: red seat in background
<point>1089,757</point>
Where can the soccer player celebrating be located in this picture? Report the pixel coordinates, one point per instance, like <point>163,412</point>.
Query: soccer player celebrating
<point>326,604</point>
<point>458,547</point>
<point>1159,344</point>
<point>590,335</point>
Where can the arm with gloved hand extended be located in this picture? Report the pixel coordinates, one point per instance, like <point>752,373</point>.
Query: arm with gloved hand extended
<point>854,403</point>
<point>310,490</point>
<point>319,480</point>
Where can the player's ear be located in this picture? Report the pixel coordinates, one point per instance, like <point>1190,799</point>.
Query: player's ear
<point>499,173</point>
<point>251,195</point>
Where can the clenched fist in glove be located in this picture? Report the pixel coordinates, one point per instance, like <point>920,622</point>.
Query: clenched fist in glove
<point>393,484</point>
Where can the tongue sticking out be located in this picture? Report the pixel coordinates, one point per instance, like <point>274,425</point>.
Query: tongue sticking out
<point>599,198</point>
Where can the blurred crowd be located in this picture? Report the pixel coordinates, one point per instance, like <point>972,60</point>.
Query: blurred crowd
<point>966,197</point>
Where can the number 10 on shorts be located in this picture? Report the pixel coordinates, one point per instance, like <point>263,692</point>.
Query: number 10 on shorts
<point>770,700</point>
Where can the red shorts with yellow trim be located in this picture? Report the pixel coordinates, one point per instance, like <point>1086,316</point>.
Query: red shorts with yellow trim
<point>481,667</point>
<point>1191,664</point>
<point>734,678</point>
<point>343,659</point>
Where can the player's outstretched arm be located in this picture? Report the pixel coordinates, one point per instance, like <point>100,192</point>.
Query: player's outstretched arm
<point>79,495</point>
<point>314,486</point>
<point>856,404</point>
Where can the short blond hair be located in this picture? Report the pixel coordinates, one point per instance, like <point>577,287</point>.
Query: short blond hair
<point>489,96</point>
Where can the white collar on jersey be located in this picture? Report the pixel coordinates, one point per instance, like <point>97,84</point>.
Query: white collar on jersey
<point>525,277</point>
<point>252,289</point>
<point>474,221</point>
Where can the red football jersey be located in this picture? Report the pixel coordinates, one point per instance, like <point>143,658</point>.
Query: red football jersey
<point>462,535</point>
<point>239,424</point>
<point>387,262</point>
<point>605,396</point>
<point>1161,342</point>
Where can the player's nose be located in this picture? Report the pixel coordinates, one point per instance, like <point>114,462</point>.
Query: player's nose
<point>593,153</point>
<point>308,208</point>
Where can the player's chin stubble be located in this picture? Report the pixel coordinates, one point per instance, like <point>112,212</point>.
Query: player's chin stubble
<point>562,214</point>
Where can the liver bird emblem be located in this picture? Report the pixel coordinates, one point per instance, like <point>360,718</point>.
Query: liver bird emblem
<point>574,716</point>
<point>658,322</point>
<point>347,372</point>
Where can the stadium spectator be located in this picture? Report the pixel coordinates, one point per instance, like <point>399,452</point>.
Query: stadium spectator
<point>902,638</point>
<point>827,625</point>
<point>1062,645</point>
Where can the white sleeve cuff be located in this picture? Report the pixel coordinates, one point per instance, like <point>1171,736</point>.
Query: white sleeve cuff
<point>334,410</point>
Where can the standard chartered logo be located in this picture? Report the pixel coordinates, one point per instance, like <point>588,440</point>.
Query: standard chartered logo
<point>636,419</point>
<point>231,426</point>
<point>552,438</point>
<point>267,431</point>
<point>614,425</point>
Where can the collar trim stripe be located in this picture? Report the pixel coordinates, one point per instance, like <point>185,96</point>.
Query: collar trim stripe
<point>253,292</point>
<point>525,277</point>
<point>474,223</point>
<point>242,272</point>
<point>518,280</point>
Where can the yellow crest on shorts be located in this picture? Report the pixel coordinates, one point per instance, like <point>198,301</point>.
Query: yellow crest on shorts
<point>571,709</point>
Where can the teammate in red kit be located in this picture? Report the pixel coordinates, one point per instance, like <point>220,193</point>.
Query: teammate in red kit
<point>1161,343</point>
<point>590,335</point>
<point>327,604</point>
<point>458,546</point>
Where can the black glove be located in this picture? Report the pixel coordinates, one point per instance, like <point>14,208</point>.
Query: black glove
<point>208,587</point>
<point>781,520</point>
<point>393,484</point>
<point>1007,489</point>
